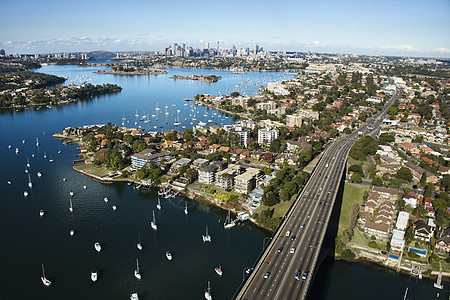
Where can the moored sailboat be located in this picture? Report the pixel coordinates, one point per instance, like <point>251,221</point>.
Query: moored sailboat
<point>136,272</point>
<point>206,237</point>
<point>139,245</point>
<point>153,222</point>
<point>45,281</point>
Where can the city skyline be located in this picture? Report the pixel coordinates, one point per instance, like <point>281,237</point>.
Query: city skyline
<point>399,28</point>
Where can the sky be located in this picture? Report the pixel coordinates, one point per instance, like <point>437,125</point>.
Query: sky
<point>382,27</point>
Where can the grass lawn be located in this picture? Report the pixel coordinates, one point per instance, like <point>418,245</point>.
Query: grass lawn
<point>353,193</point>
<point>280,208</point>
<point>92,169</point>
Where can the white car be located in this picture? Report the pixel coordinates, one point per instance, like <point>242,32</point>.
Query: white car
<point>292,250</point>
<point>288,233</point>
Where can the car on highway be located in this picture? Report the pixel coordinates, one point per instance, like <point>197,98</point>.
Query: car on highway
<point>329,192</point>
<point>288,233</point>
<point>297,275</point>
<point>280,249</point>
<point>302,225</point>
<point>292,250</point>
<point>267,275</point>
<point>304,276</point>
<point>249,270</point>
<point>293,237</point>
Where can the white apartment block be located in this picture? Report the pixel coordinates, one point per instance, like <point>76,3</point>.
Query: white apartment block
<point>294,120</point>
<point>267,135</point>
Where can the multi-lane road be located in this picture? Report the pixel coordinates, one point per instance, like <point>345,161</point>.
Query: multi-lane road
<point>285,269</point>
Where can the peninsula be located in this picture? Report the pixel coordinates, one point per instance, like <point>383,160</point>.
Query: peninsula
<point>207,78</point>
<point>124,70</point>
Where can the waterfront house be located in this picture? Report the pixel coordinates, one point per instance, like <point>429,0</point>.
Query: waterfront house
<point>224,178</point>
<point>245,182</point>
<point>207,174</point>
<point>138,160</point>
<point>199,163</point>
<point>443,242</point>
<point>397,240</point>
<point>423,232</point>
<point>176,166</point>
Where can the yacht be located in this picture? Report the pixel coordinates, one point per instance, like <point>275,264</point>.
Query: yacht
<point>169,255</point>
<point>97,246</point>
<point>158,206</point>
<point>45,281</point>
<point>208,295</point>
<point>136,272</point>
<point>219,271</point>
<point>94,275</point>
<point>228,224</point>
<point>139,245</point>
<point>153,222</point>
<point>206,237</point>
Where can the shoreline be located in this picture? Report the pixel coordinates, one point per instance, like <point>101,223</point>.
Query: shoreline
<point>140,72</point>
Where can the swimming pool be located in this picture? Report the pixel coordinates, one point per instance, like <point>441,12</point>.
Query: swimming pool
<point>418,251</point>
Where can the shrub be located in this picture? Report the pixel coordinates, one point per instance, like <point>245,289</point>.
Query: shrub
<point>373,244</point>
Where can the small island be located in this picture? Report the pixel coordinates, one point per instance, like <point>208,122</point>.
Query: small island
<point>125,70</point>
<point>27,88</point>
<point>207,78</point>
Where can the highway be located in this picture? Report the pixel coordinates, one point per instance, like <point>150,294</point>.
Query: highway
<point>274,275</point>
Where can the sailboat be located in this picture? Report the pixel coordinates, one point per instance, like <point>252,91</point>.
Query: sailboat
<point>97,246</point>
<point>41,213</point>
<point>139,245</point>
<point>45,155</point>
<point>25,194</point>
<point>153,222</point>
<point>94,275</point>
<point>28,163</point>
<point>37,142</point>
<point>206,237</point>
<point>228,222</point>
<point>72,232</point>
<point>186,210</point>
<point>30,184</point>
<point>169,255</point>
<point>70,205</point>
<point>45,281</point>
<point>177,121</point>
<point>71,194</point>
<point>39,174</point>
<point>208,295</point>
<point>59,151</point>
<point>158,206</point>
<point>136,272</point>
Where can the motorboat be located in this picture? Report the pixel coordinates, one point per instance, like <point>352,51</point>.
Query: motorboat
<point>114,208</point>
<point>105,199</point>
<point>94,275</point>
<point>71,194</point>
<point>97,246</point>
<point>39,174</point>
<point>72,232</point>
<point>219,271</point>
<point>41,213</point>
<point>169,255</point>
<point>45,281</point>
<point>134,296</point>
<point>25,194</point>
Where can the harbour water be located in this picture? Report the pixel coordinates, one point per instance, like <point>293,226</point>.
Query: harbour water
<point>29,240</point>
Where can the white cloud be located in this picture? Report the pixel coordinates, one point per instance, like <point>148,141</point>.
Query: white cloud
<point>441,49</point>
<point>407,48</point>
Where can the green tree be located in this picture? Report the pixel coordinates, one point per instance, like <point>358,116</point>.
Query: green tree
<point>405,174</point>
<point>356,178</point>
<point>377,181</point>
<point>423,179</point>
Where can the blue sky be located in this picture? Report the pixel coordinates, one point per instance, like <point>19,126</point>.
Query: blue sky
<point>395,27</point>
